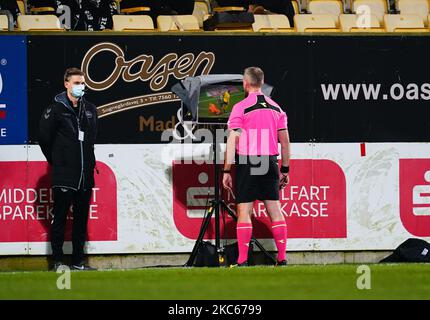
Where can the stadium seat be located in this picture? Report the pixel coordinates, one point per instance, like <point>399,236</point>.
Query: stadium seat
<point>271,22</point>
<point>325,7</point>
<point>201,10</point>
<point>234,30</point>
<point>135,10</point>
<point>295,7</point>
<point>404,23</point>
<point>132,23</point>
<point>358,23</point>
<point>21,7</point>
<point>39,23</point>
<point>332,7</point>
<point>418,7</point>
<point>377,7</point>
<point>178,23</point>
<point>228,9</point>
<point>42,10</point>
<point>315,23</point>
<point>4,23</point>
<point>142,8</point>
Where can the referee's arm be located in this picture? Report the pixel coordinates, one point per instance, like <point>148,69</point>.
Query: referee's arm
<point>284,139</point>
<point>230,150</point>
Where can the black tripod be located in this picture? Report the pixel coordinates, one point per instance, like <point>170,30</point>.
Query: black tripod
<point>215,205</point>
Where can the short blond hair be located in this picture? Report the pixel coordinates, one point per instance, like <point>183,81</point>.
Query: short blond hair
<point>254,76</point>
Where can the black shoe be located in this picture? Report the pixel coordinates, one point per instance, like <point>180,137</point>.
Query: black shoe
<point>58,265</point>
<point>82,267</point>
<point>239,265</point>
<point>281,263</point>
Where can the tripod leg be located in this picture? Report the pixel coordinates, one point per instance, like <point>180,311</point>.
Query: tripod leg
<point>253,239</point>
<point>262,249</point>
<point>199,240</point>
<point>229,211</point>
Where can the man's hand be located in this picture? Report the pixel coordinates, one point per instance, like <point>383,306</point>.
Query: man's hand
<point>227,181</point>
<point>284,180</point>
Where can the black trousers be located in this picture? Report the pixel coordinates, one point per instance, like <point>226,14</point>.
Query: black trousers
<point>63,199</point>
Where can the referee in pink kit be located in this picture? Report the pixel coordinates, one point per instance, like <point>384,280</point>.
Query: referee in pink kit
<point>255,126</point>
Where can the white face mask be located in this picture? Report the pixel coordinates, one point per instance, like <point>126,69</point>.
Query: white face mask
<point>78,90</point>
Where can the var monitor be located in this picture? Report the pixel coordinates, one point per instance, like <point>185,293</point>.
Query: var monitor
<point>216,102</point>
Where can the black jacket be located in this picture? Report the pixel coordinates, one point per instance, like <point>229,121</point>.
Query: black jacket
<point>91,15</point>
<point>72,160</point>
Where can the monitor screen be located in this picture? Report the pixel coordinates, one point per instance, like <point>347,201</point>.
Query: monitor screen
<point>216,101</point>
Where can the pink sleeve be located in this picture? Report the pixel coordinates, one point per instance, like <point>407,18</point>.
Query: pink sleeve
<point>235,121</point>
<point>282,121</point>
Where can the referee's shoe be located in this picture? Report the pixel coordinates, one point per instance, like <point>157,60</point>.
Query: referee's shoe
<point>240,265</point>
<point>281,263</point>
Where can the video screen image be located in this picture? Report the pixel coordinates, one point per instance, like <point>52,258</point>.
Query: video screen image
<point>217,101</point>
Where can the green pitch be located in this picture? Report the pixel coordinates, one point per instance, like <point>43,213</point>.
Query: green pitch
<point>397,281</point>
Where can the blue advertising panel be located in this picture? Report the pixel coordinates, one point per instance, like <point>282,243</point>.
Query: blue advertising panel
<point>13,90</point>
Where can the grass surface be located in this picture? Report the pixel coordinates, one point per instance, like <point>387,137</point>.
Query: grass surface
<point>397,281</point>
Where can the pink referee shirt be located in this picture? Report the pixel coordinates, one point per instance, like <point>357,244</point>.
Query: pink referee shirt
<point>260,119</point>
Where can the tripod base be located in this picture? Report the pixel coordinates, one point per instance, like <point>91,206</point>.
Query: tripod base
<point>220,249</point>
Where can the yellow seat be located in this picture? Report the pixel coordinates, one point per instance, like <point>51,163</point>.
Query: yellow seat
<point>329,30</point>
<point>21,7</point>
<point>295,7</point>
<point>325,7</point>
<point>315,23</point>
<point>132,23</point>
<point>201,10</point>
<point>403,22</point>
<point>332,7</point>
<point>47,22</point>
<point>37,10</point>
<point>4,23</point>
<point>178,23</point>
<point>359,23</point>
<point>135,10</point>
<point>412,30</point>
<point>270,22</point>
<point>232,29</point>
<point>418,7</point>
<point>367,30</point>
<point>376,7</point>
<point>277,30</point>
<point>227,9</point>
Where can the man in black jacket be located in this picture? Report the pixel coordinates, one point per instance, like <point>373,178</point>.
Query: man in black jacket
<point>68,129</point>
<point>274,6</point>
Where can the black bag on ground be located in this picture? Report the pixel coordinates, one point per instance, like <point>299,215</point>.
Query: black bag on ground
<point>232,253</point>
<point>412,250</point>
<point>207,255</point>
<point>226,20</point>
